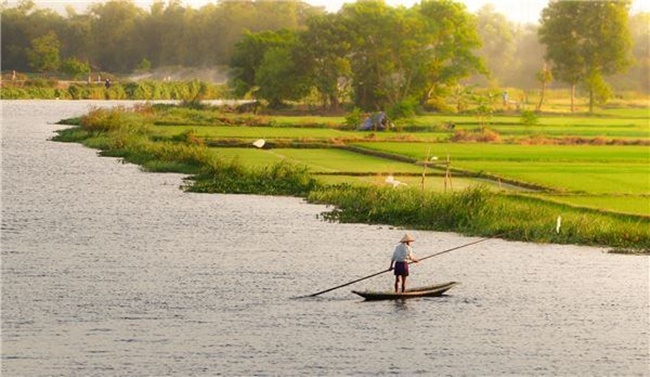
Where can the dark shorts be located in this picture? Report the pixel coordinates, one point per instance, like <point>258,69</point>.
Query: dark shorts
<point>401,269</point>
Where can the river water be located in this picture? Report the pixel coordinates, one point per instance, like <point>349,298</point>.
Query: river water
<point>107,270</point>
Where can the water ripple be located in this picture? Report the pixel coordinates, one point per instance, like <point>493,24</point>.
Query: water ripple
<point>110,271</point>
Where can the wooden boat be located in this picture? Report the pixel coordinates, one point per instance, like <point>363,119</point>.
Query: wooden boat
<point>429,291</point>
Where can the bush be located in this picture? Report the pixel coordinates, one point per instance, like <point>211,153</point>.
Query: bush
<point>482,134</point>
<point>40,83</point>
<point>117,118</point>
<point>405,109</point>
<point>282,178</point>
<point>409,207</point>
<point>529,118</point>
<point>353,119</point>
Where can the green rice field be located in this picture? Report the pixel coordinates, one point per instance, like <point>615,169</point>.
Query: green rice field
<point>601,185</point>
<point>337,166</point>
<point>622,173</point>
<point>623,204</point>
<point>319,160</point>
<point>625,124</point>
<point>607,177</point>
<point>516,152</point>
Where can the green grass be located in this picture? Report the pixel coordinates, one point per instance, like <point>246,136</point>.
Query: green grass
<point>478,212</point>
<point>632,125</point>
<point>317,160</point>
<point>593,178</point>
<point>251,133</point>
<point>515,152</point>
<point>331,165</point>
<point>431,183</point>
<point>642,111</point>
<point>639,205</point>
<point>333,160</point>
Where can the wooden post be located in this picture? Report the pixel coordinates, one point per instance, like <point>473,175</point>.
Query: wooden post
<point>448,175</point>
<point>424,167</point>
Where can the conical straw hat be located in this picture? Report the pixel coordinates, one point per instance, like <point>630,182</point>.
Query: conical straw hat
<point>407,238</point>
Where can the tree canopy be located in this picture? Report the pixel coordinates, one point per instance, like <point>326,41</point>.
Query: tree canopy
<point>369,53</point>
<point>586,41</point>
<point>386,56</point>
<point>116,35</point>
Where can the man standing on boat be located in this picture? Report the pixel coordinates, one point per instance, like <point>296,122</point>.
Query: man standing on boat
<point>400,262</point>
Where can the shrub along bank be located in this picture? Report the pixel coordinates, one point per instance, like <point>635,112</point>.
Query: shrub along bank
<point>130,90</point>
<point>127,134</point>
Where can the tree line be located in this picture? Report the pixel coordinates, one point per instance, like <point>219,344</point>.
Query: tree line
<point>118,36</point>
<point>369,53</point>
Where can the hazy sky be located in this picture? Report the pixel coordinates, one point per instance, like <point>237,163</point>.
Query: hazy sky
<point>525,11</point>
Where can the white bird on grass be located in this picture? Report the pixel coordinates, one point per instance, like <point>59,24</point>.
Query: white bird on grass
<point>391,181</point>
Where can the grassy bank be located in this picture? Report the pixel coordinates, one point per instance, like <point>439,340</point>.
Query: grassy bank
<point>128,90</point>
<point>146,135</point>
<point>478,212</point>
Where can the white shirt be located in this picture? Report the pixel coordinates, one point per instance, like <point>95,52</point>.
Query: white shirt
<point>402,253</point>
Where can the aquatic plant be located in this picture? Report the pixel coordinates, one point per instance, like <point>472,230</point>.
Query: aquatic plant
<point>409,207</point>
<point>282,178</point>
<point>114,119</point>
<point>477,211</point>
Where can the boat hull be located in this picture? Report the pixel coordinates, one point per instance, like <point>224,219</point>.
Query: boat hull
<point>428,291</point>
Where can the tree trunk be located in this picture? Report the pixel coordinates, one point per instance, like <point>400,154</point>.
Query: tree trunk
<point>573,96</point>
<point>541,97</point>
<point>591,100</point>
<point>334,102</point>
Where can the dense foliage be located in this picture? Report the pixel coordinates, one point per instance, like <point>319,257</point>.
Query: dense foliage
<point>368,53</point>
<point>117,36</point>
<point>388,55</point>
<point>586,41</point>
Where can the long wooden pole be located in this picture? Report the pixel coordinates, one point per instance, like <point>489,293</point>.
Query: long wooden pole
<point>387,270</point>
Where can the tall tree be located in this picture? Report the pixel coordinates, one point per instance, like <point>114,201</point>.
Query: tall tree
<point>115,41</point>
<point>233,18</point>
<point>637,78</point>
<point>44,55</point>
<point>370,27</point>
<point>498,50</point>
<point>279,78</point>
<point>544,77</point>
<point>75,68</point>
<point>452,40</point>
<point>20,26</point>
<point>641,50</point>
<point>15,38</point>
<point>324,51</point>
<point>586,41</point>
<point>400,54</point>
<point>249,56</point>
<point>529,57</point>
<point>76,37</point>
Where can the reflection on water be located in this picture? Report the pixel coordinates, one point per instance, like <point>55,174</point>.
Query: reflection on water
<point>110,271</point>
<point>401,305</point>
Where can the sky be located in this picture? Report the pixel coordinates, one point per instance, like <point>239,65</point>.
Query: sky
<point>521,11</point>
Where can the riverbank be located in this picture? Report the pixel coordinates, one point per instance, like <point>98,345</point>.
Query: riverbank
<point>131,134</point>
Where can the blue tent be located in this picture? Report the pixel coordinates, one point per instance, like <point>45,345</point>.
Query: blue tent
<point>376,121</point>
